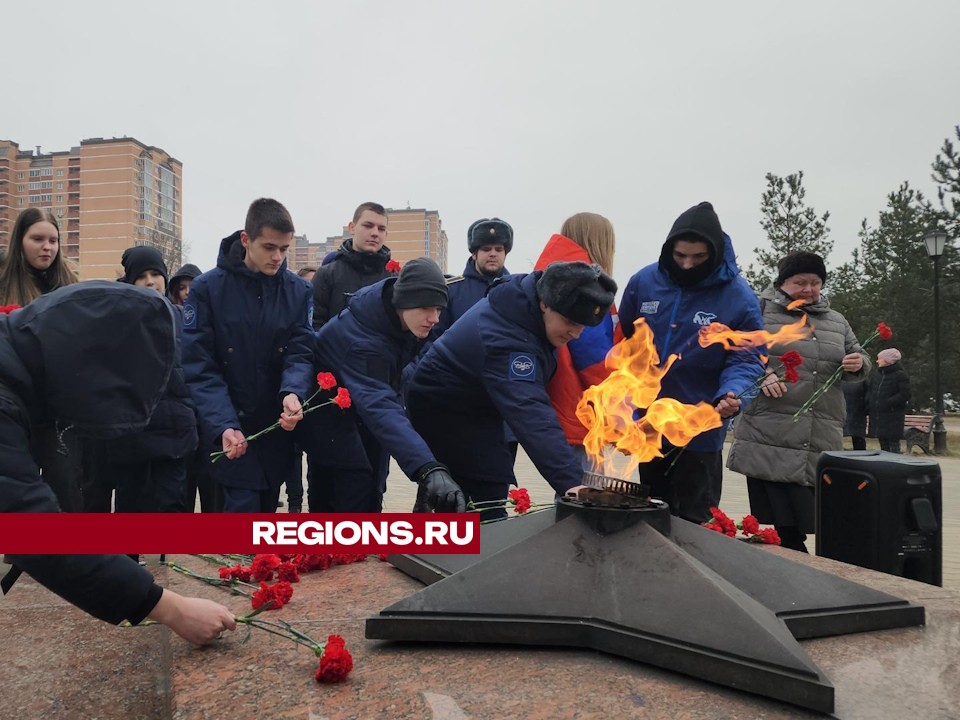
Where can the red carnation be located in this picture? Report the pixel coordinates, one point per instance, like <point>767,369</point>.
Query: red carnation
<point>520,499</point>
<point>791,375</point>
<point>383,557</point>
<point>769,536</point>
<point>287,571</point>
<point>884,331</point>
<point>7,309</point>
<point>393,266</point>
<point>282,593</point>
<point>326,381</point>
<point>750,525</point>
<point>335,663</point>
<point>225,572</point>
<point>342,400</point>
<point>308,563</point>
<point>727,526</point>
<point>243,574</point>
<point>791,359</point>
<point>263,566</point>
<point>262,596</point>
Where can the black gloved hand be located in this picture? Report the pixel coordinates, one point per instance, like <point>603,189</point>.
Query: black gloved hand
<point>438,491</point>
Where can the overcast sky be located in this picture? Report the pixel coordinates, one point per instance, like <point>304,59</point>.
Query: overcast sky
<point>530,111</point>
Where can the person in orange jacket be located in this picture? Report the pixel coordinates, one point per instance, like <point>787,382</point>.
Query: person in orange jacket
<point>585,237</point>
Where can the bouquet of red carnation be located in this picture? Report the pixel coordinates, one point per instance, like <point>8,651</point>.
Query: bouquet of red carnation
<point>883,332</point>
<point>325,381</point>
<point>787,372</point>
<point>749,526</point>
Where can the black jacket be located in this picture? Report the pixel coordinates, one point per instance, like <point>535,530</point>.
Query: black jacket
<point>855,422</point>
<point>344,275</point>
<point>95,355</point>
<point>888,392</point>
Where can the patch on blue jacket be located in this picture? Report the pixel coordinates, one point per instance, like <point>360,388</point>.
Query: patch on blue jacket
<point>523,366</point>
<point>189,316</point>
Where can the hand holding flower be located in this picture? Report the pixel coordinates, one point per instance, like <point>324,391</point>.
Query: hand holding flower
<point>852,363</point>
<point>234,443</point>
<point>773,386</point>
<point>728,406</point>
<point>292,412</point>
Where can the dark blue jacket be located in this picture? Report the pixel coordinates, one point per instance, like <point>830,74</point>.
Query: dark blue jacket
<point>465,292</point>
<point>246,344</point>
<point>676,314</point>
<point>492,366</point>
<point>366,347</point>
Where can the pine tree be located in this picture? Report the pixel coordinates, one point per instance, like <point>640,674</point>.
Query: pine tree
<point>946,174</point>
<point>789,226</point>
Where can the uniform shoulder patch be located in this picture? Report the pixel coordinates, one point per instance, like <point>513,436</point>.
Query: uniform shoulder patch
<point>189,315</point>
<point>523,366</point>
<point>454,279</point>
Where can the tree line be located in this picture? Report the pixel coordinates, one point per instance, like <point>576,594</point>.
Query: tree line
<point>890,277</point>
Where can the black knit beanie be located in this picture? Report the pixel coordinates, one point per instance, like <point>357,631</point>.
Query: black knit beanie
<point>489,231</point>
<point>580,292</point>
<point>420,285</point>
<point>139,259</point>
<point>799,263</point>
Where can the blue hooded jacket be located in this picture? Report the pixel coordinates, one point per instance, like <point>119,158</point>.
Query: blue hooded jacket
<point>246,344</point>
<point>676,313</point>
<point>493,366</point>
<point>366,348</point>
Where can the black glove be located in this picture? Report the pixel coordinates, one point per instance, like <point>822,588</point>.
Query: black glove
<point>438,491</point>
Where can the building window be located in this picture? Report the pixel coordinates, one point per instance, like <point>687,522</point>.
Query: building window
<point>20,175</point>
<point>60,172</point>
<point>21,188</point>
<point>59,198</point>
<point>59,186</point>
<point>59,212</point>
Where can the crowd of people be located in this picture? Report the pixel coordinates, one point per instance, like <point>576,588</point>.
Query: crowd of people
<point>446,375</point>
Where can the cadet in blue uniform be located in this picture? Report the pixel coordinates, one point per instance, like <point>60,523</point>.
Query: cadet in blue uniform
<point>247,356</point>
<point>489,241</point>
<point>493,365</point>
<point>367,346</point>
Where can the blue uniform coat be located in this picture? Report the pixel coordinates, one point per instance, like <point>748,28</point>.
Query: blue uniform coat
<point>246,344</point>
<point>366,347</point>
<point>492,366</point>
<point>464,294</point>
<point>676,314</point>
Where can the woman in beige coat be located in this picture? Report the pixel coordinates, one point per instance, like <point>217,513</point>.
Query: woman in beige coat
<point>777,453</point>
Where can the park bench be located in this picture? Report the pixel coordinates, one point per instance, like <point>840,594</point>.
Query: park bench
<point>917,430</point>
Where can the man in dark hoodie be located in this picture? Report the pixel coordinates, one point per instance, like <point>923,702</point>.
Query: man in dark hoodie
<point>489,371</point>
<point>362,260</point>
<point>367,346</point>
<point>696,282</point>
<point>94,356</point>
<point>247,357</point>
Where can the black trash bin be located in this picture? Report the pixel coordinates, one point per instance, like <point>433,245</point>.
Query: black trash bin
<point>881,511</point>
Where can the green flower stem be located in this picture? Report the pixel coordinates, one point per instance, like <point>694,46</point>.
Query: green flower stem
<point>230,583</point>
<point>821,391</point>
<point>306,409</point>
<point>284,631</point>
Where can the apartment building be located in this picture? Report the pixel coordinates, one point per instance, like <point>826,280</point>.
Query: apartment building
<point>107,195</point>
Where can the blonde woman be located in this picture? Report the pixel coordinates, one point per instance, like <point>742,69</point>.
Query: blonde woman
<point>584,237</point>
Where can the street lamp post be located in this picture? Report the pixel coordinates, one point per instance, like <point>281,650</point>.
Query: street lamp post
<point>936,241</point>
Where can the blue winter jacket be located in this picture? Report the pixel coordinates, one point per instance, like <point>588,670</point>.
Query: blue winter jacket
<point>676,314</point>
<point>465,293</point>
<point>492,366</point>
<point>247,343</point>
<point>366,347</point>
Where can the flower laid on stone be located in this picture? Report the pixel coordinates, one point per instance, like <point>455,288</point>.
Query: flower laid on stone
<point>279,594</point>
<point>517,499</point>
<point>325,381</point>
<point>392,266</point>
<point>749,526</point>
<point>883,332</point>
<point>335,663</point>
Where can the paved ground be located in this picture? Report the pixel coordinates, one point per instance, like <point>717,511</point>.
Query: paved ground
<point>400,496</point>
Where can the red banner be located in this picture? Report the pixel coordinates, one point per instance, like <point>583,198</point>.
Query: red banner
<point>239,533</point>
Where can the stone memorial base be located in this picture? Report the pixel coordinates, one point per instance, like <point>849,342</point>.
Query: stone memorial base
<point>59,663</point>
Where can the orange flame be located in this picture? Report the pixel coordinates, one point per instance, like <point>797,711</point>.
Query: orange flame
<point>607,410</point>
<point>748,339</point>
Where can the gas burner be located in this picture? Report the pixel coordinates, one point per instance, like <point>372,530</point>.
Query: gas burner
<point>605,491</point>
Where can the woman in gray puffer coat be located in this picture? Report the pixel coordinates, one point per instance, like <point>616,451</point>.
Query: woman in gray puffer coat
<point>777,453</point>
